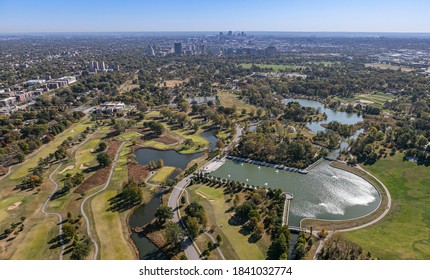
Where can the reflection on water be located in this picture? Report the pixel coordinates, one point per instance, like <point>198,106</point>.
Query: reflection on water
<point>342,117</point>
<point>324,193</point>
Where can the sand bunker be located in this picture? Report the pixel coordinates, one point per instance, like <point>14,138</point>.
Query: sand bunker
<point>15,205</point>
<point>70,167</point>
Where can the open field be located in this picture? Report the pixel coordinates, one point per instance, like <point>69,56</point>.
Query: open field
<point>35,244</point>
<point>378,98</point>
<point>405,232</point>
<point>171,83</point>
<point>234,245</point>
<point>275,67</point>
<point>161,175</point>
<point>113,244</point>
<point>388,67</point>
<point>228,99</point>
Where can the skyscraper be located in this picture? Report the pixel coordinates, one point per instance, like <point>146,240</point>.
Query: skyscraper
<point>178,48</point>
<point>103,66</point>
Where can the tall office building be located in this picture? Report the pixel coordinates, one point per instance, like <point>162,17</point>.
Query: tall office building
<point>178,48</point>
<point>103,66</point>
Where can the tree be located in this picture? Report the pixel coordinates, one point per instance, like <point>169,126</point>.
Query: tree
<point>69,231</point>
<point>197,211</point>
<point>236,200</point>
<point>219,239</point>
<point>81,250</point>
<point>160,163</point>
<point>189,142</point>
<point>120,125</point>
<point>211,245</point>
<point>103,159</point>
<point>174,233</point>
<point>163,213</point>
<point>102,147</point>
<point>193,226</point>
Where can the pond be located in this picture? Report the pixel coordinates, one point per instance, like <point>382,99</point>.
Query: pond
<point>332,115</point>
<point>324,193</point>
<point>141,216</point>
<point>170,157</point>
<point>146,212</point>
<point>342,117</point>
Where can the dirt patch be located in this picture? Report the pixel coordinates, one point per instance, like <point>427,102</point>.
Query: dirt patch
<point>113,148</point>
<point>70,167</point>
<point>15,205</point>
<point>102,174</point>
<point>137,172</point>
<point>166,140</point>
<point>172,83</point>
<point>3,170</point>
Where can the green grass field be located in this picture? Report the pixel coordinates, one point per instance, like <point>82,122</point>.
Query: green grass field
<point>32,161</point>
<point>234,245</point>
<point>228,99</point>
<point>113,245</point>
<point>161,175</point>
<point>35,245</point>
<point>405,232</point>
<point>275,67</point>
<point>378,98</point>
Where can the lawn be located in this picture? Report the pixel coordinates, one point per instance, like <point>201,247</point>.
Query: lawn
<point>228,99</point>
<point>234,245</point>
<point>84,156</point>
<point>405,232</point>
<point>35,244</point>
<point>161,175</point>
<point>33,160</point>
<point>275,67</point>
<point>388,67</point>
<point>113,245</point>
<point>378,98</point>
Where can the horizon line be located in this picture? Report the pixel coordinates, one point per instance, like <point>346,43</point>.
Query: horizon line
<point>208,31</point>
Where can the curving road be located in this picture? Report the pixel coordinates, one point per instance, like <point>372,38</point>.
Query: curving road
<point>190,248</point>
<point>87,221</point>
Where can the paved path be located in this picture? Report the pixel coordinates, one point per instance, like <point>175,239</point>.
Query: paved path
<point>60,219</point>
<point>387,209</point>
<point>87,221</point>
<point>5,175</point>
<point>188,245</point>
<point>51,177</point>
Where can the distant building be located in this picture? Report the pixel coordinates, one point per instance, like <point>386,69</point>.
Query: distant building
<point>110,108</point>
<point>178,48</point>
<point>201,99</point>
<point>30,83</point>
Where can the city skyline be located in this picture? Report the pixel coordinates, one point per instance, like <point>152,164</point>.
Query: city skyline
<point>174,16</point>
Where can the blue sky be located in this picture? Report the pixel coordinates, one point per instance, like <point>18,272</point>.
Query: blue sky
<point>214,15</point>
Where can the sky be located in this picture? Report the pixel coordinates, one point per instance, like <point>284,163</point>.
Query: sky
<point>214,15</point>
